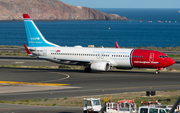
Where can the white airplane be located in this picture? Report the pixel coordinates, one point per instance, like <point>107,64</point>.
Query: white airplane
<point>94,59</point>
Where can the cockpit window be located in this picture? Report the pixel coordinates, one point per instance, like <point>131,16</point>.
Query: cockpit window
<point>163,56</point>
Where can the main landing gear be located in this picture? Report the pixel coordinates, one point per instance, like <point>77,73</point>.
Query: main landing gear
<point>87,69</point>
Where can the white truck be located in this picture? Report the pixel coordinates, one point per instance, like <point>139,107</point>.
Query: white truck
<point>151,109</point>
<point>92,105</point>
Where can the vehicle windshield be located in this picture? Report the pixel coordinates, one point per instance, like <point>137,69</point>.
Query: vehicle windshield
<point>144,110</point>
<point>161,111</point>
<point>95,102</point>
<point>153,110</point>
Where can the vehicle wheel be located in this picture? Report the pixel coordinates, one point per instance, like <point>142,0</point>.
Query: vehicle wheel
<point>157,72</point>
<point>87,69</point>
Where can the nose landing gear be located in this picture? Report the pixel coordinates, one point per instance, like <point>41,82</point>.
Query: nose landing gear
<point>157,72</point>
<point>158,69</point>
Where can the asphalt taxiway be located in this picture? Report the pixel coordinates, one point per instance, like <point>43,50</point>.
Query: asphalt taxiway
<point>32,61</point>
<point>10,108</point>
<point>79,83</point>
<point>22,83</point>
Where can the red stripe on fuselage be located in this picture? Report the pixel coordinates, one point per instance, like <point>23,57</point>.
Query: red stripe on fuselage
<point>141,58</point>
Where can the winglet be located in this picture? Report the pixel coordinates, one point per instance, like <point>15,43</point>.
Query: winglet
<point>117,46</point>
<point>26,16</point>
<point>27,50</point>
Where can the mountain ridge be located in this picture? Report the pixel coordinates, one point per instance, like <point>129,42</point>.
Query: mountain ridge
<point>50,10</point>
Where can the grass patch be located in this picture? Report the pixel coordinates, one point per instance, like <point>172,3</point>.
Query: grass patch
<point>161,48</point>
<point>174,56</point>
<point>78,101</point>
<point>13,46</point>
<point>65,98</point>
<point>13,53</point>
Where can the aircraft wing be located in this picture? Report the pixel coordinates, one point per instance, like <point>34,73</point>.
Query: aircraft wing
<point>65,59</point>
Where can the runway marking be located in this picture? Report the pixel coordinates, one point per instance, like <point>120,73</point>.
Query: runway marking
<point>68,76</point>
<point>139,87</point>
<point>31,83</point>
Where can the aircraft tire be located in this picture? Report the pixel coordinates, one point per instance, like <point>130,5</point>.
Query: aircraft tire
<point>157,72</point>
<point>87,69</point>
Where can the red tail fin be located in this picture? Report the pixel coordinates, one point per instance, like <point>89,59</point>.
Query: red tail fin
<point>26,16</point>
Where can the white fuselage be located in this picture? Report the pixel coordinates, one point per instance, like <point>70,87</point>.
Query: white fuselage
<point>117,57</point>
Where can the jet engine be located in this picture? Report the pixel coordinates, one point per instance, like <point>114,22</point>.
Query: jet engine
<point>100,66</point>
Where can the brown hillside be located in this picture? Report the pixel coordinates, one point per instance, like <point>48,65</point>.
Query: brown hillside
<point>50,10</point>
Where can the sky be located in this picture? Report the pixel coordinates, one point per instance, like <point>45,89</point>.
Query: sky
<point>125,3</point>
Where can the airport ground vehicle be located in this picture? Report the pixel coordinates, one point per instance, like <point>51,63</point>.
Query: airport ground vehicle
<point>92,105</point>
<point>151,109</point>
<point>122,106</point>
<point>148,103</point>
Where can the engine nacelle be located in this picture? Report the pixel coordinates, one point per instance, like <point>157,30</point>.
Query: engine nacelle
<point>100,66</point>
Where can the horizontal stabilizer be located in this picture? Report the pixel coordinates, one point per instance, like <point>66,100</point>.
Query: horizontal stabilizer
<point>27,50</point>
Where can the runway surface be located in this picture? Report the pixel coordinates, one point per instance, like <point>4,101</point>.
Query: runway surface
<point>78,83</point>
<point>32,61</point>
<point>5,108</point>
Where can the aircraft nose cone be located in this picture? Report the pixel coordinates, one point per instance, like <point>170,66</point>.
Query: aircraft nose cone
<point>171,62</point>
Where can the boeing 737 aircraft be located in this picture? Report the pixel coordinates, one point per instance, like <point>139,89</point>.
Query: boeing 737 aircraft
<point>94,59</point>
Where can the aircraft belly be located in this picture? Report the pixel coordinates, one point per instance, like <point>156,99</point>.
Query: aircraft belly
<point>124,62</point>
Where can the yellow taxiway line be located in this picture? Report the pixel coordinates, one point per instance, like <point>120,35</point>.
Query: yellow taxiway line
<point>32,83</point>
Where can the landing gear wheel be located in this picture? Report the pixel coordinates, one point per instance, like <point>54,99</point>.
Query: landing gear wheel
<point>157,72</point>
<point>87,69</point>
